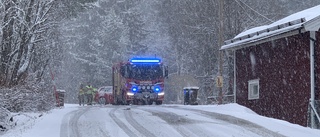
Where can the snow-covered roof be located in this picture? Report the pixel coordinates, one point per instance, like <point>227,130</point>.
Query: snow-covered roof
<point>308,19</point>
<point>61,90</point>
<point>191,88</point>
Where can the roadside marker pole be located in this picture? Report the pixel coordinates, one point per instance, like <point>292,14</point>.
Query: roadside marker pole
<point>55,88</point>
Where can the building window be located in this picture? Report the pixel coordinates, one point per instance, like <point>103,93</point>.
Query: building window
<point>253,89</point>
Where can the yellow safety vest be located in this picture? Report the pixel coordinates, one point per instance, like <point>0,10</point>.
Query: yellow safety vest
<point>89,90</point>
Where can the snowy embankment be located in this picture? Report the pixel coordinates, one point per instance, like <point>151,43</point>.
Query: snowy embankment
<point>279,126</point>
<point>35,124</point>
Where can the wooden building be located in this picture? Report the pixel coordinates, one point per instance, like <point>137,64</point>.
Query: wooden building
<point>277,68</point>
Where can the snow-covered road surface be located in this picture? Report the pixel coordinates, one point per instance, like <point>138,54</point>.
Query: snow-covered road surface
<point>229,120</point>
<point>155,121</point>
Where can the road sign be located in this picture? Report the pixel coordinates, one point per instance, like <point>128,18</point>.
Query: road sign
<point>219,81</point>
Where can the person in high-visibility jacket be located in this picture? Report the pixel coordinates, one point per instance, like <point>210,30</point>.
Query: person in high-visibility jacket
<point>89,94</point>
<point>81,95</point>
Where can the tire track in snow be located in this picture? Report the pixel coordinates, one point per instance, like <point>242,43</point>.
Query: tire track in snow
<point>121,124</point>
<point>136,125</point>
<point>255,128</point>
<point>69,127</point>
<point>179,123</point>
<point>70,124</point>
<point>100,126</point>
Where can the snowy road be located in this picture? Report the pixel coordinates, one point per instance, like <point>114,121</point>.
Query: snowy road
<point>230,120</point>
<point>155,121</point>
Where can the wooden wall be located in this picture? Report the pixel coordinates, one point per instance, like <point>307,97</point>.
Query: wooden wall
<point>283,69</point>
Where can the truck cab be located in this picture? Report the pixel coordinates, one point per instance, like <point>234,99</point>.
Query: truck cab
<point>139,81</point>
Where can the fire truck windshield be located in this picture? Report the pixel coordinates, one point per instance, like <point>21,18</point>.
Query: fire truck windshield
<point>144,71</point>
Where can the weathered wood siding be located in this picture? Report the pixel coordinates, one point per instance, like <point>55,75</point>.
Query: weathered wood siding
<point>283,69</point>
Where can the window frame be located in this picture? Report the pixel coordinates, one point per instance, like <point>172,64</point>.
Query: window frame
<point>251,94</point>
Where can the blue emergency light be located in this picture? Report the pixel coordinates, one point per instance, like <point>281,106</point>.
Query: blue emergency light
<point>134,89</point>
<point>145,60</point>
<point>157,89</point>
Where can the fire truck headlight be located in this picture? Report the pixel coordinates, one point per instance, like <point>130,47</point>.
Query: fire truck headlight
<point>161,94</point>
<point>130,93</point>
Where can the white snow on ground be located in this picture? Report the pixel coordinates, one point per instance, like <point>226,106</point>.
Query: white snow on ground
<point>279,126</point>
<point>37,124</point>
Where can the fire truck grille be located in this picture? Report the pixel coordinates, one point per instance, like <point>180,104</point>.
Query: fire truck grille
<point>145,90</point>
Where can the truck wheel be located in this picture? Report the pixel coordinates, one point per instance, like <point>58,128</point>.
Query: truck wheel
<point>158,102</point>
<point>150,102</point>
<point>186,103</point>
<point>140,102</point>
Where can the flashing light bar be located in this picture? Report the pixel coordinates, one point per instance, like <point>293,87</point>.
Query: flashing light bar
<point>145,60</point>
<point>134,89</point>
<point>157,89</point>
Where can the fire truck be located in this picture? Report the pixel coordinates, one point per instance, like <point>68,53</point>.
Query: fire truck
<point>139,81</point>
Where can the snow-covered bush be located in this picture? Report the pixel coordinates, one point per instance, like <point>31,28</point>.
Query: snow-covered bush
<point>6,120</point>
<point>26,99</point>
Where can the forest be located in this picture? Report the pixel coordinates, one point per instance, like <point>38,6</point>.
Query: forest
<point>60,44</point>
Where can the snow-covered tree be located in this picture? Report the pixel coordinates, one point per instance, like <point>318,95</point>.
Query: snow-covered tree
<point>28,47</point>
<point>94,41</point>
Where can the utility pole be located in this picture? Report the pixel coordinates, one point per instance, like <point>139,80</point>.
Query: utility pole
<point>221,40</point>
